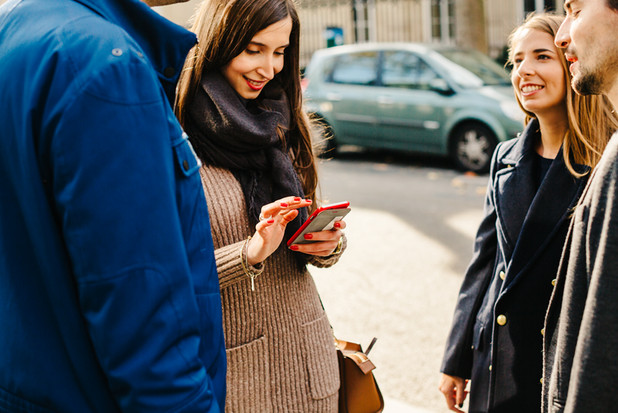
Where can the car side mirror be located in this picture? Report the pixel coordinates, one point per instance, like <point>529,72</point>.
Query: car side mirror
<point>437,84</point>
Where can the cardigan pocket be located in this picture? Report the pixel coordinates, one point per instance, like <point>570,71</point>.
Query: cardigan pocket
<point>320,358</point>
<point>248,378</point>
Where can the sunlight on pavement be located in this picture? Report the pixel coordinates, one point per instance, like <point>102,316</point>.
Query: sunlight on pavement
<point>466,223</point>
<point>396,283</point>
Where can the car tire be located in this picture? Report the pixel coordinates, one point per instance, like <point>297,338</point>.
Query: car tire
<point>472,146</point>
<point>326,145</point>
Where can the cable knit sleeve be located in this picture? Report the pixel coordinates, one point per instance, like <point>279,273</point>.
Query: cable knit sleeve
<point>229,264</point>
<point>328,261</point>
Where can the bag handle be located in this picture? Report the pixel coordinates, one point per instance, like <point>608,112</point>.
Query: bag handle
<point>354,352</point>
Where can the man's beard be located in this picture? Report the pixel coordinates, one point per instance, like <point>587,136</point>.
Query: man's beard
<point>588,84</point>
<point>595,79</point>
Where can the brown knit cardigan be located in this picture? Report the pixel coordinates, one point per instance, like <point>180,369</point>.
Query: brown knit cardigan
<point>279,343</point>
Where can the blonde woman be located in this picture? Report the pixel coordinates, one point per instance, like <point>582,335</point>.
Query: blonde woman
<point>535,181</point>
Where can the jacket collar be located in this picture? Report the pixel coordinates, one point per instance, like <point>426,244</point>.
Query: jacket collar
<point>164,43</point>
<point>524,147</point>
<point>515,186</point>
<point>549,206</point>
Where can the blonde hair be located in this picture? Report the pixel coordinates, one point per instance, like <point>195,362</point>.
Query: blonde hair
<point>591,118</point>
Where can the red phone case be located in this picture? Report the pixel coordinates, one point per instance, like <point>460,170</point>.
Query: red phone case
<point>317,221</point>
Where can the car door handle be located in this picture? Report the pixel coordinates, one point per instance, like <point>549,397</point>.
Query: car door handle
<point>333,97</point>
<point>385,100</point>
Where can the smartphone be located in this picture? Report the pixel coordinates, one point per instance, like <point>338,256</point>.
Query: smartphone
<point>322,219</point>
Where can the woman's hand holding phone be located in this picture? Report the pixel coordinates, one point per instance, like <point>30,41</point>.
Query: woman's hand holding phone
<point>269,232</point>
<point>324,243</point>
<point>321,233</point>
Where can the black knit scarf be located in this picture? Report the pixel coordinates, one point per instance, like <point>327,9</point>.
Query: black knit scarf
<point>230,132</point>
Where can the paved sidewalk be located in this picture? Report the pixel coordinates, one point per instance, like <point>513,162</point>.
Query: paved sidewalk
<point>395,406</point>
<point>395,283</point>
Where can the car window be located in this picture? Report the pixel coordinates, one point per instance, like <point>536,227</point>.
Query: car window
<point>406,70</point>
<point>482,70</point>
<point>356,69</point>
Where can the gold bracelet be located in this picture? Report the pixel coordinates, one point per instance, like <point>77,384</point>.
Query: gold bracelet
<point>339,247</point>
<point>246,267</point>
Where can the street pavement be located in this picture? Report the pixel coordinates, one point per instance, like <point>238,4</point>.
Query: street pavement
<point>398,280</point>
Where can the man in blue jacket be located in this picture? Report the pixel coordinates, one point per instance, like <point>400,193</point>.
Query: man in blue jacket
<point>109,297</point>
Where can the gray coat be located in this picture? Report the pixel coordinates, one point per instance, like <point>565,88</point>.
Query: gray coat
<point>580,349</point>
<point>496,335</point>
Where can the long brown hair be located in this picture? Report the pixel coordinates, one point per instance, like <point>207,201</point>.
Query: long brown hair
<point>224,29</point>
<point>591,119</point>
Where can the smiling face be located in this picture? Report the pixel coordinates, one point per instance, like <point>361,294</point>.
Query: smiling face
<point>538,74</point>
<point>588,36</point>
<point>263,58</point>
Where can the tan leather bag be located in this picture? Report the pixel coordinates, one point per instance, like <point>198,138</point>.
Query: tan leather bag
<point>359,391</point>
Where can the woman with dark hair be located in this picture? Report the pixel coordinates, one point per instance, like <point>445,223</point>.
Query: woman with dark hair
<point>239,100</point>
<point>535,181</point>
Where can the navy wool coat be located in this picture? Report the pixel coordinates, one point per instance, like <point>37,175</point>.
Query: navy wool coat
<point>496,335</point>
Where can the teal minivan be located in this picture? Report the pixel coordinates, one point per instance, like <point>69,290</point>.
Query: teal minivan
<point>413,97</point>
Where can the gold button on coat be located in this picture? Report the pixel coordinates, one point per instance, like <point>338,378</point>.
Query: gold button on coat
<point>542,331</point>
<point>501,320</point>
<point>502,275</point>
<point>553,282</point>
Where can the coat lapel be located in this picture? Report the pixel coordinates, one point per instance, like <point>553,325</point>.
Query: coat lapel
<point>515,189</point>
<point>551,206</point>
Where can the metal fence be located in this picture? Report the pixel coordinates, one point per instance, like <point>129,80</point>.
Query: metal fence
<point>405,20</point>
<point>360,20</point>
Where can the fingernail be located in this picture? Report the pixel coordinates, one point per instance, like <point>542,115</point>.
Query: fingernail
<point>270,221</point>
<point>308,236</point>
<point>294,247</point>
<point>309,200</point>
<point>283,204</point>
<point>460,405</point>
<point>337,225</point>
<point>297,199</point>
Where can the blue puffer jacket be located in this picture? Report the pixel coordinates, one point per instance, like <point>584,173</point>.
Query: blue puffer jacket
<point>109,296</point>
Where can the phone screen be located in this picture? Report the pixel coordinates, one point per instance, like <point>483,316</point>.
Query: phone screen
<point>323,219</point>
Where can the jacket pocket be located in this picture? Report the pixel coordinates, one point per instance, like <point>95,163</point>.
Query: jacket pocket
<point>477,336</point>
<point>320,358</point>
<point>248,378</point>
<point>193,213</point>
<point>186,159</point>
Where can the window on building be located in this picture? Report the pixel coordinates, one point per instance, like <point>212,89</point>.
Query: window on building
<point>443,20</point>
<point>539,5</point>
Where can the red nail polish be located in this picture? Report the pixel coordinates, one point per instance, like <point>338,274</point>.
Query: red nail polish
<point>270,221</point>
<point>297,199</point>
<point>283,204</point>
<point>294,247</point>
<point>308,236</point>
<point>337,225</point>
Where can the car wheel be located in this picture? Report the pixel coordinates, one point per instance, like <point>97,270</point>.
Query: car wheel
<point>324,137</point>
<point>472,146</point>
